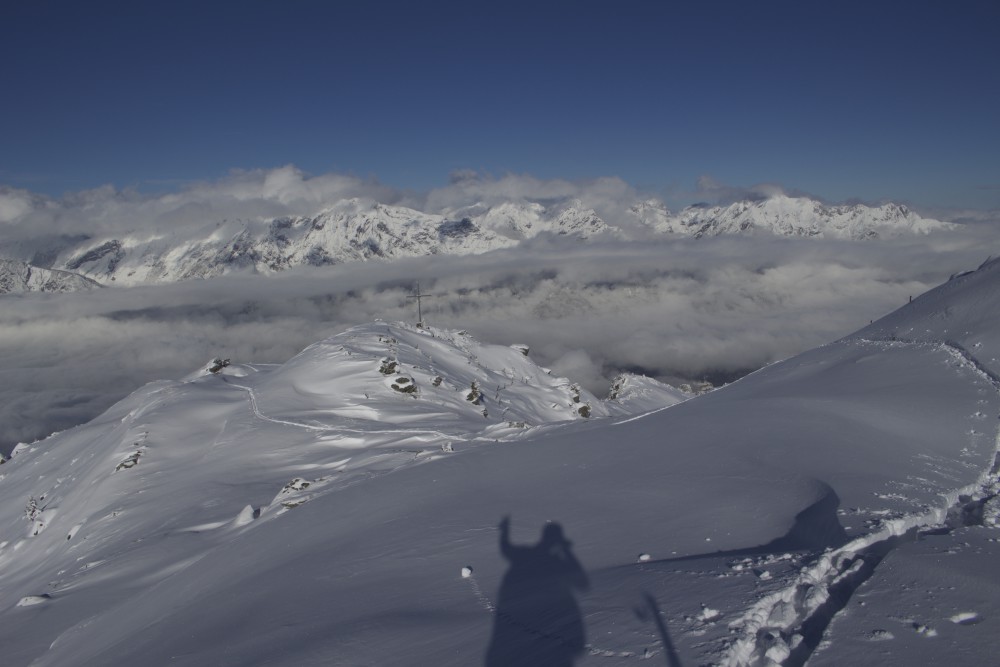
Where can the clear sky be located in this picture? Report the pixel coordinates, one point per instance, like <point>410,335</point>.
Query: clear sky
<point>871,100</point>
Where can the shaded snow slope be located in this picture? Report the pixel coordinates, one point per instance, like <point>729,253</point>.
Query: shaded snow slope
<point>269,516</point>
<point>964,311</point>
<point>932,602</point>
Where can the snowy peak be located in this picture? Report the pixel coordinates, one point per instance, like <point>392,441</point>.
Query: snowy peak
<point>351,230</point>
<point>520,220</point>
<point>513,220</point>
<point>348,231</point>
<point>794,216</point>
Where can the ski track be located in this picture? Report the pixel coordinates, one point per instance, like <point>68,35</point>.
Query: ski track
<point>823,589</point>
<point>643,415</point>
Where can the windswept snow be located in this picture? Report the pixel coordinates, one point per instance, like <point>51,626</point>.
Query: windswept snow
<point>348,506</point>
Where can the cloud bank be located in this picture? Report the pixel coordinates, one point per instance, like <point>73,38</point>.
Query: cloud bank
<point>243,194</point>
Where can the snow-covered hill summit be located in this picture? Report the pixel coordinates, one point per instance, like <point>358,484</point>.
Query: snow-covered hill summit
<point>407,375</point>
<point>356,229</point>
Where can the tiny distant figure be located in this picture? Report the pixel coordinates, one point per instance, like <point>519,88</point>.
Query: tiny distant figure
<point>538,622</point>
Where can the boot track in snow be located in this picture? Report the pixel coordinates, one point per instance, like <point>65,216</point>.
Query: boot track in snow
<point>786,627</point>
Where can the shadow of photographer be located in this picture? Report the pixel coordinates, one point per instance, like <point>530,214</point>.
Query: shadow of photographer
<point>537,622</point>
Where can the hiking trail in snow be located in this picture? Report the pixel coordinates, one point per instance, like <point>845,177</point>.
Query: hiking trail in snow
<point>787,626</point>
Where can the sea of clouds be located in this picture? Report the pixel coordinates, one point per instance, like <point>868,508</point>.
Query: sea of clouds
<point>676,309</point>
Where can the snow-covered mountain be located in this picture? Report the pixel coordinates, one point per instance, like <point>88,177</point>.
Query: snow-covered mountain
<point>17,276</point>
<point>379,499</point>
<point>350,230</point>
<point>357,230</point>
<point>789,216</point>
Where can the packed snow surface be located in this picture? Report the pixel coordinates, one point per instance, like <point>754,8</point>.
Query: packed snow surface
<point>398,495</point>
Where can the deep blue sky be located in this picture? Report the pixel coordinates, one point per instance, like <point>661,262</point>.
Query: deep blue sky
<point>871,100</point>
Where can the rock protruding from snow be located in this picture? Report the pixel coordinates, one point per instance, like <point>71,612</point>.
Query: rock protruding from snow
<point>633,394</point>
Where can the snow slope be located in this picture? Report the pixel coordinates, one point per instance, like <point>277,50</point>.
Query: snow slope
<point>16,276</point>
<point>278,516</point>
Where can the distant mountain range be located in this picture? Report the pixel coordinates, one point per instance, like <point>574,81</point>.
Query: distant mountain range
<point>357,230</point>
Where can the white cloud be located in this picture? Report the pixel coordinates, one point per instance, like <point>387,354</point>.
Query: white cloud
<point>608,196</point>
<point>14,204</point>
<point>712,191</point>
<point>262,193</point>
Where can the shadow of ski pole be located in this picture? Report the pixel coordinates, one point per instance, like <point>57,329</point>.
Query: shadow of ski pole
<point>673,660</point>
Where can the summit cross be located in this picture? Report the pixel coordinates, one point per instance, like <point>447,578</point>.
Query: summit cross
<point>418,296</point>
